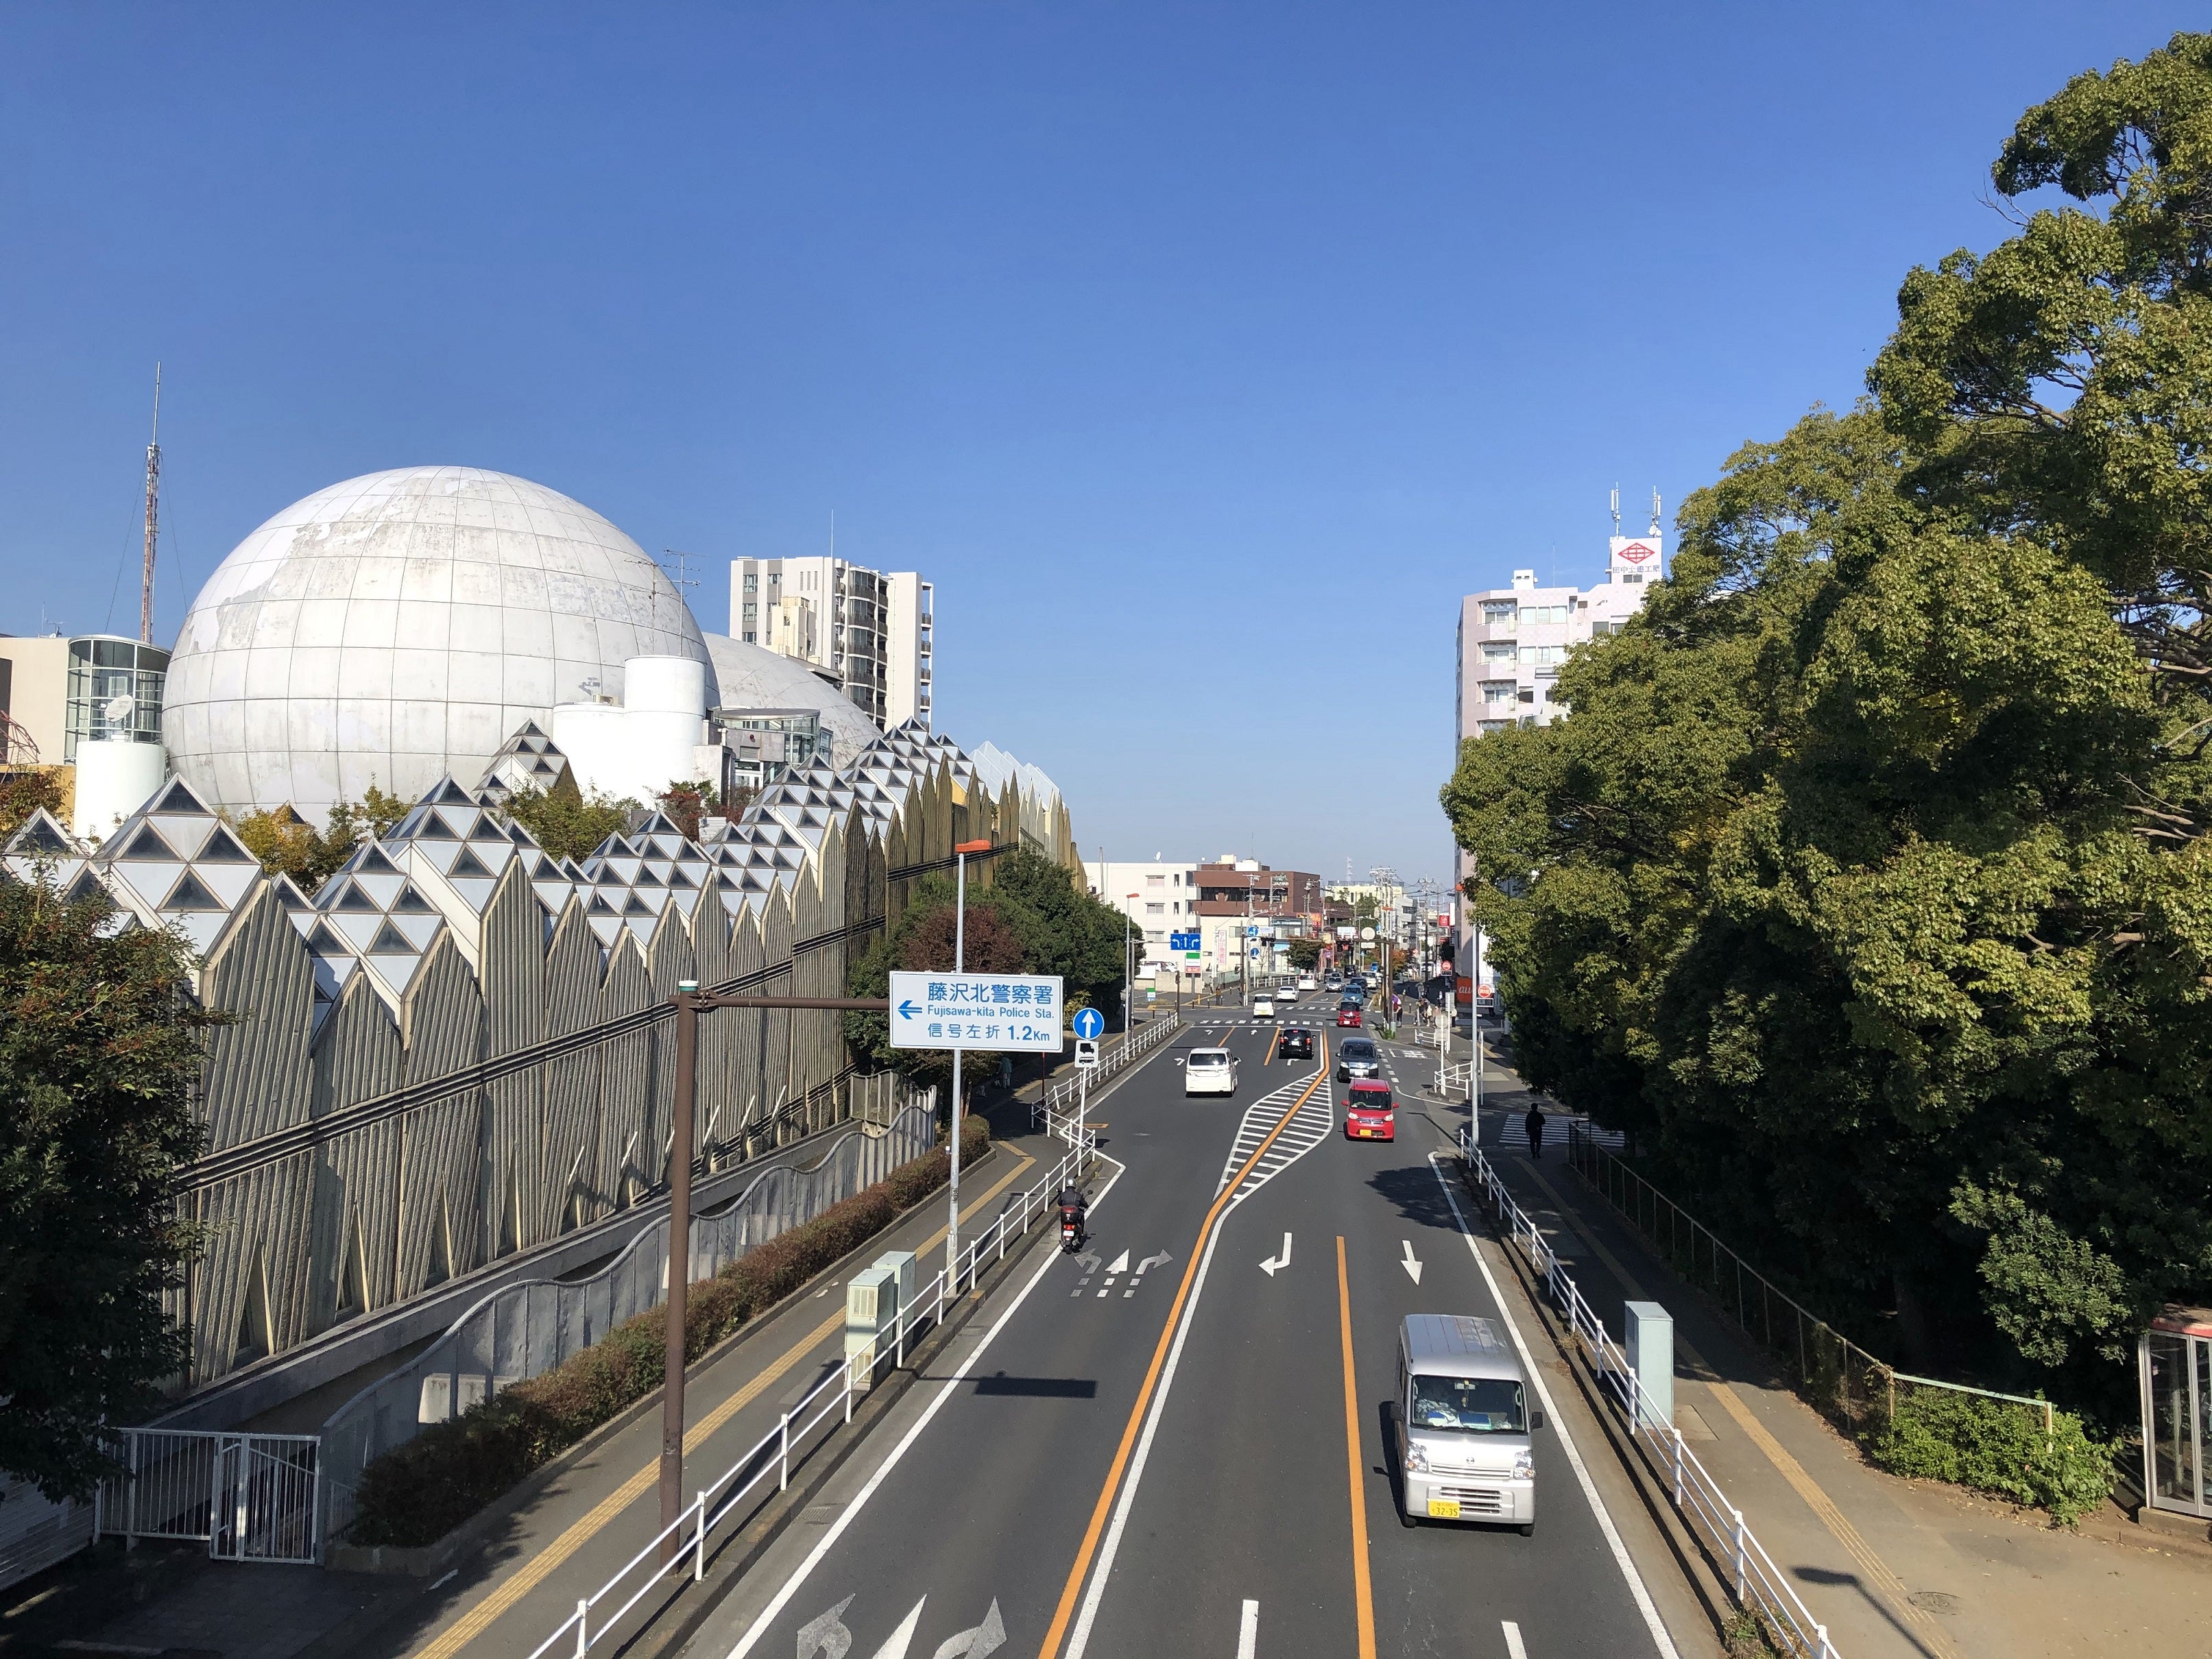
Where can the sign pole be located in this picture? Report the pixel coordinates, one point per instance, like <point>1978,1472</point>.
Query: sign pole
<point>959,966</point>
<point>679,1262</point>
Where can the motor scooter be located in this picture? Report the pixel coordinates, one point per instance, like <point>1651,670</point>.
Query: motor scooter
<point>1072,1237</point>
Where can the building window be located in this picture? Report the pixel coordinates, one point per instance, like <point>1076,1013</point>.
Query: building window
<point>1543,613</point>
<point>1501,692</point>
<point>1491,725</point>
<point>1499,613</point>
<point>1156,881</point>
<point>1156,909</point>
<point>1531,655</point>
<point>1631,575</point>
<point>1498,651</point>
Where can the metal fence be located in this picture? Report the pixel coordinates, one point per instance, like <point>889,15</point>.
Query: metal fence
<point>738,1493</point>
<point>524,1330</point>
<point>248,1497</point>
<point>1055,1109</point>
<point>1759,1586</point>
<point>1849,1385</point>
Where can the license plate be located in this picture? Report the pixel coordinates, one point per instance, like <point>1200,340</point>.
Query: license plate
<point>1443,1509</point>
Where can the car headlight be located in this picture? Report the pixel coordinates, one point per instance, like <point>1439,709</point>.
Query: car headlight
<point>1417,1460</point>
<point>1524,1465</point>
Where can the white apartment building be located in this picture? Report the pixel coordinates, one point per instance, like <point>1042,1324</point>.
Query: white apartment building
<point>1511,642</point>
<point>1160,898</point>
<point>867,633</point>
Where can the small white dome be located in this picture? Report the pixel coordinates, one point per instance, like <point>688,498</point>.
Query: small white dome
<point>399,627</point>
<point>754,677</point>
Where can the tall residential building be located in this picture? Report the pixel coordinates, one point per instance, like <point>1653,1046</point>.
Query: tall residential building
<point>865,632</point>
<point>1511,642</point>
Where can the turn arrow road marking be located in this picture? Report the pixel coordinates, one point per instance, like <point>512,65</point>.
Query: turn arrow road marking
<point>1413,1267</point>
<point>1273,1265</point>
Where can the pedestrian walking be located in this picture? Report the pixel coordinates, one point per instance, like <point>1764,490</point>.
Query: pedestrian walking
<point>1533,1123</point>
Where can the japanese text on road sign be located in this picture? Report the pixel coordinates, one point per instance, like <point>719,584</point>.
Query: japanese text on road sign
<point>1015,1012</point>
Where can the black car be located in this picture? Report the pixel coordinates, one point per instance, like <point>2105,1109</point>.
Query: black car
<point>1356,1057</point>
<point>1297,1043</point>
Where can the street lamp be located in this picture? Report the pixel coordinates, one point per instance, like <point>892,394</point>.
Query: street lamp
<point>1129,982</point>
<point>959,966</point>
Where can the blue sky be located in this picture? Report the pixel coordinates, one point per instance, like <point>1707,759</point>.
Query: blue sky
<point>1203,355</point>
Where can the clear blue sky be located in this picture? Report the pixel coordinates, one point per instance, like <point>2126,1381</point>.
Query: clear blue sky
<point>1203,355</point>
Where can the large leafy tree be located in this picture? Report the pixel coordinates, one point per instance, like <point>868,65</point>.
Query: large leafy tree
<point>99,1046</point>
<point>1868,880</point>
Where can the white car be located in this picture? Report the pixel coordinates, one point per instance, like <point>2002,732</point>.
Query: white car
<point>1306,982</point>
<point>1209,1072</point>
<point>1263,1006</point>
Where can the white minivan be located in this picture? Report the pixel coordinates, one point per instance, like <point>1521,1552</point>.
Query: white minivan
<point>1263,1006</point>
<point>1209,1072</point>
<point>1464,1424</point>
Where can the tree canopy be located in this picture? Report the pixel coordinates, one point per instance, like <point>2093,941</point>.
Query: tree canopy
<point>565,821</point>
<point>1868,880</point>
<point>99,1047</point>
<point>287,844</point>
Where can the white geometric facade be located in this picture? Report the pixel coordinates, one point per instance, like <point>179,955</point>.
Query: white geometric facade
<point>396,628</point>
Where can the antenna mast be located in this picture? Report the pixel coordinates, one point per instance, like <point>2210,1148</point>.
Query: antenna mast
<point>1616,509</point>
<point>152,491</point>
<point>1654,511</point>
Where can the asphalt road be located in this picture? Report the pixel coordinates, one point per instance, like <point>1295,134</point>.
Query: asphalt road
<point>1166,1456</point>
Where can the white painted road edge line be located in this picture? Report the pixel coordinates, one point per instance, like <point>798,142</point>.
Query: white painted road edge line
<point>1103,1568</point>
<point>1636,1587</point>
<point>1513,1646</point>
<point>952,1385</point>
<point>1248,1633</point>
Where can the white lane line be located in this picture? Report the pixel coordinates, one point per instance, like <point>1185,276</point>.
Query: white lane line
<point>1513,1640</point>
<point>769,1613</point>
<point>1248,1633</point>
<point>1637,1590</point>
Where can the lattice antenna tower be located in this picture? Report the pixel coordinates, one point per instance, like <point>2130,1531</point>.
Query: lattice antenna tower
<point>1654,510</point>
<point>153,498</point>
<point>1616,509</point>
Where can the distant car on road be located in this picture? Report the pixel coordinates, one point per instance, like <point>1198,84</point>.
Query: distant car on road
<point>1367,1112</point>
<point>1306,982</point>
<point>1209,1072</point>
<point>1348,1015</point>
<point>1297,1043</point>
<point>1356,1058</point>
<point>1263,1006</point>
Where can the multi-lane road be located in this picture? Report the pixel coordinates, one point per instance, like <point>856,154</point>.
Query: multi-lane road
<point>1176,1443</point>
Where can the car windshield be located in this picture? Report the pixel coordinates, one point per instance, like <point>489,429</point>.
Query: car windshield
<point>1470,1405</point>
<point>1358,1049</point>
<point>1370,1100</point>
<point>1200,1061</point>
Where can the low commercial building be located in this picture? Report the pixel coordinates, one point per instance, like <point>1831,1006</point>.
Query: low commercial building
<point>1160,898</point>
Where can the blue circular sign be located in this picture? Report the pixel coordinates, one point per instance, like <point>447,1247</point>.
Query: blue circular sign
<point>1089,1023</point>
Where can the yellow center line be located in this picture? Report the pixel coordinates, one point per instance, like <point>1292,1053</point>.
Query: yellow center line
<point>1273,1037</point>
<point>1088,1548</point>
<point>1363,1592</point>
<point>542,1565</point>
<point>1884,1579</point>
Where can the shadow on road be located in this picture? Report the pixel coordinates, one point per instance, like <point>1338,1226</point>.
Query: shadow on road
<point>1412,1187</point>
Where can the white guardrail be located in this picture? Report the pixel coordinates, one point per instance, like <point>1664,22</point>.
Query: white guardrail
<point>1758,1584</point>
<point>1054,1113</point>
<point>718,1505</point>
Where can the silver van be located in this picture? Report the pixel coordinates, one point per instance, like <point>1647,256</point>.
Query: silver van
<point>1464,1424</point>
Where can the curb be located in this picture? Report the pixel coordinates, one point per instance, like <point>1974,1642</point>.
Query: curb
<point>1697,1570</point>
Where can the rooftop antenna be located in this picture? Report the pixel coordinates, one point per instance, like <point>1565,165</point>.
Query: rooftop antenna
<point>153,488</point>
<point>1616,509</point>
<point>1654,511</point>
<point>682,578</point>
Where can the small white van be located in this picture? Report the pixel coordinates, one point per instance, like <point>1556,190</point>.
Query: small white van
<point>1263,1006</point>
<point>1464,1424</point>
<point>1209,1072</point>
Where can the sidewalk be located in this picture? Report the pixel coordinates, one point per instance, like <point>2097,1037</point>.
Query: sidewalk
<point>563,1542</point>
<point>1911,1568</point>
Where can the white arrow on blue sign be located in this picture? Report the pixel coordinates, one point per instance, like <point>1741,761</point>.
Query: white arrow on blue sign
<point>1016,1013</point>
<point>1089,1023</point>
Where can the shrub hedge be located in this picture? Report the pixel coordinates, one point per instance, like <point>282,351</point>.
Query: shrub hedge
<point>1996,1448</point>
<point>416,1493</point>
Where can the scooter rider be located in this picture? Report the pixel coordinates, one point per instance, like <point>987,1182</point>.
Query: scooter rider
<point>1074,1207</point>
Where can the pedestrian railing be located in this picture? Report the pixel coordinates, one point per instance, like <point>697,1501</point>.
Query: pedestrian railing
<point>247,1497</point>
<point>738,1493</point>
<point>1055,1108</point>
<point>1760,1587</point>
<point>1833,1374</point>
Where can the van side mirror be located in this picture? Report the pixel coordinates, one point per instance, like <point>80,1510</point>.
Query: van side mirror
<point>1535,1421</point>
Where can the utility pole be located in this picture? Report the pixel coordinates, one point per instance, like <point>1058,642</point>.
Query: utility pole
<point>959,966</point>
<point>153,495</point>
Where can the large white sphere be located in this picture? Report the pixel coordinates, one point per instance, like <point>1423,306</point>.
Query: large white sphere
<point>399,627</point>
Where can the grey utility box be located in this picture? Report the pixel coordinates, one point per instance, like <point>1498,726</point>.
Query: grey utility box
<point>870,1310</point>
<point>1650,1345</point>
<point>901,1263</point>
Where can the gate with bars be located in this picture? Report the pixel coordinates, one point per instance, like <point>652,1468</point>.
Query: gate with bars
<point>248,1497</point>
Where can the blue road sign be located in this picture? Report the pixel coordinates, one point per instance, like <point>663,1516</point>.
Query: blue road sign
<point>1008,1012</point>
<point>1182,942</point>
<point>1089,1023</point>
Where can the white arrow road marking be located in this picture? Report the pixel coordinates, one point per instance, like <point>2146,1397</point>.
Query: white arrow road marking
<point>1413,1267</point>
<point>896,1645</point>
<point>1248,1633</point>
<point>1152,1261</point>
<point>1090,1262</point>
<point>1513,1639</point>
<point>1121,1263</point>
<point>1273,1265</point>
<point>987,1637</point>
<point>826,1637</point>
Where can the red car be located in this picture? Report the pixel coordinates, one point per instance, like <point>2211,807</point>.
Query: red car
<point>1348,1017</point>
<point>1367,1114</point>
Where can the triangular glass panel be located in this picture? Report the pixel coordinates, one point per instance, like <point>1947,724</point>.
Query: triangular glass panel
<point>325,943</point>
<point>638,907</point>
<point>445,792</point>
<point>430,824</point>
<point>191,894</point>
<point>87,886</point>
<point>468,864</point>
<point>178,798</point>
<point>143,843</point>
<point>41,833</point>
<point>411,902</point>
<point>371,861</point>
<point>224,847</point>
<point>352,897</point>
<point>390,942</point>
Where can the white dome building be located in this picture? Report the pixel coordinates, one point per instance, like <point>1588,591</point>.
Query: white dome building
<point>754,677</point>
<point>397,627</point>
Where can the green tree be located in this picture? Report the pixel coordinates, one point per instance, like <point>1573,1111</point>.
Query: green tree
<point>98,1050</point>
<point>1064,930</point>
<point>1304,954</point>
<point>565,821</point>
<point>24,790</point>
<point>287,844</point>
